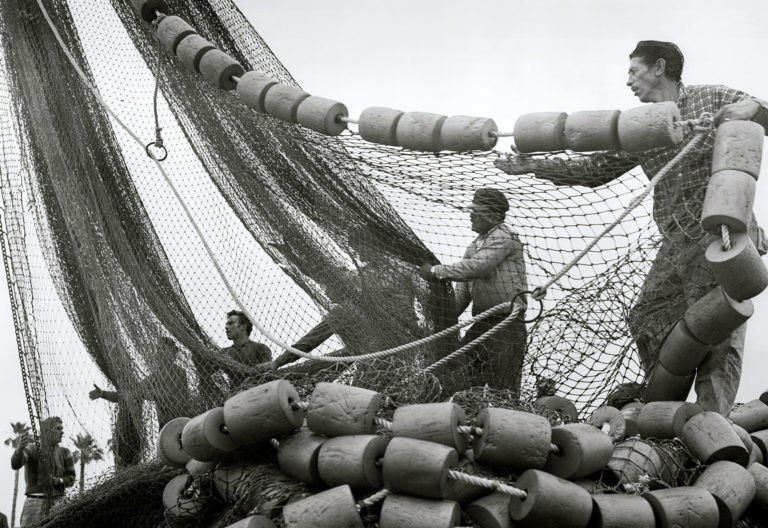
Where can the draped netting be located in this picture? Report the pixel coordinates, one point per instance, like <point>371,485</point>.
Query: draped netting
<point>111,284</point>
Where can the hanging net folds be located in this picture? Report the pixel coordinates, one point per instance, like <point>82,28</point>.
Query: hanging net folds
<point>123,270</point>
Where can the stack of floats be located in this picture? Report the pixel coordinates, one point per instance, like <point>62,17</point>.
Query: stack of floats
<point>732,256</point>
<point>423,467</point>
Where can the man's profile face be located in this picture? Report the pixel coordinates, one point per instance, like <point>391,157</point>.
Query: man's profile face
<point>53,431</point>
<point>233,328</point>
<point>479,219</point>
<point>642,80</point>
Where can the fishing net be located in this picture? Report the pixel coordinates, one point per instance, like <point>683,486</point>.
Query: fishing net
<point>122,271</point>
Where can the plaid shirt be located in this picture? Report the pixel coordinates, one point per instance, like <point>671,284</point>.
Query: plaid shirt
<point>679,196</point>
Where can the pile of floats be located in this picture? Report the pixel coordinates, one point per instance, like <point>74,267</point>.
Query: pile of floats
<point>429,463</point>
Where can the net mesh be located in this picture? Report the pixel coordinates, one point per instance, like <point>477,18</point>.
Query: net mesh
<point>118,283</point>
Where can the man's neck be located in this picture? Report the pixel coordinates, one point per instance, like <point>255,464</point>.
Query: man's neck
<point>240,340</point>
<point>668,91</point>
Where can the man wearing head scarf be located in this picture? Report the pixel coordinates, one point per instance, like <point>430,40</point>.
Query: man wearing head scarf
<point>491,272</point>
<point>680,274</point>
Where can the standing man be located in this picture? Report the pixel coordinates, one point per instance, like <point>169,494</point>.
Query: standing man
<point>238,328</point>
<point>46,474</point>
<point>491,272</point>
<point>680,274</point>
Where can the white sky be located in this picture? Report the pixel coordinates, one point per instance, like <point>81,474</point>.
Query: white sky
<point>495,59</point>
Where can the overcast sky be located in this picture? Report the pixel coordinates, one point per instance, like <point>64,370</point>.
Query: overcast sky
<point>495,59</point>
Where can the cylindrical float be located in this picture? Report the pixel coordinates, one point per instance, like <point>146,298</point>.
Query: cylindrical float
<point>252,89</point>
<point>146,8</point>
<point>665,419</point>
<point>197,468</point>
<point>738,146</point>
<point>181,498</point>
<point>219,68</point>
<point>752,416</point>
<point>354,460</point>
<point>713,317</point>
<point>399,511</point>
<point>732,486</point>
<point>739,270</point>
<point>297,456</point>
<point>728,201</point>
<point>764,397</point>
<point>169,448</point>
<point>760,438</point>
<point>665,386</point>
<point>684,507</point>
<point>262,412</point>
<point>710,438</point>
<point>378,124</point>
<point>649,126</point>
<point>191,50</point>
<point>322,115</point>
<point>420,468</point>
<point>491,511</point>
<point>205,436</point>
<point>613,418</point>
<point>171,30</point>
<point>465,133</point>
<point>333,508</point>
<point>282,101</point>
<point>337,410</point>
<point>760,474</point>
<point>434,422</point>
<point>254,521</point>
<point>681,353</point>
<point>540,132</point>
<point>621,511</point>
<point>560,405</point>
<point>582,450</point>
<point>592,130</point>
<point>631,412</point>
<point>512,439</point>
<point>551,502</point>
<point>420,131</point>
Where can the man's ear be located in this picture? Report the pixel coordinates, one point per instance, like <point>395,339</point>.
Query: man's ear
<point>661,66</point>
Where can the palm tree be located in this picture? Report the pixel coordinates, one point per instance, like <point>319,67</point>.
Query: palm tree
<point>86,451</point>
<point>20,429</point>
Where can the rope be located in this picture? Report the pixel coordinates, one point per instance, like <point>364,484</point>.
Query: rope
<point>274,442</point>
<point>496,133</point>
<point>19,342</point>
<point>726,234</point>
<point>487,483</point>
<point>373,499</point>
<point>480,339</point>
<point>384,424</point>
<point>300,405</point>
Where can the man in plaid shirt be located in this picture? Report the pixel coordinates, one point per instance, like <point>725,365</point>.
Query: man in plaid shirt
<point>680,274</point>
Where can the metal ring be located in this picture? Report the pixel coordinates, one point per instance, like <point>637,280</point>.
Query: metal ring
<point>541,305</point>
<point>165,152</point>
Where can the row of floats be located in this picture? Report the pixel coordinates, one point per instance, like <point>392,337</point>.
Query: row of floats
<point>428,464</point>
<point>634,130</point>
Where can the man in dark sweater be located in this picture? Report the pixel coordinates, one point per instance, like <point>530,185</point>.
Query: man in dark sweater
<point>47,473</point>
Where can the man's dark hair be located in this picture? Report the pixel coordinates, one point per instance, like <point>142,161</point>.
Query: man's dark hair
<point>243,319</point>
<point>649,51</point>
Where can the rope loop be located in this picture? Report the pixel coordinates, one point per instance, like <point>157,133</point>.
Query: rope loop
<point>160,146</point>
<point>533,295</point>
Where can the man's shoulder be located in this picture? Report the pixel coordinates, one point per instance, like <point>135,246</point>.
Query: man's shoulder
<point>253,345</point>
